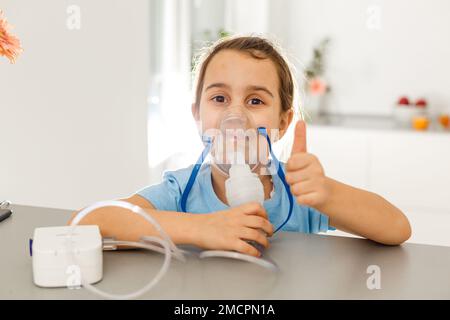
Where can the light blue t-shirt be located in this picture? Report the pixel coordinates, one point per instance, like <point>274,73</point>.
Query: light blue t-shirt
<point>166,196</point>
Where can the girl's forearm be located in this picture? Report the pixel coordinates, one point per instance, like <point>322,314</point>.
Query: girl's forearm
<point>125,225</point>
<point>366,214</point>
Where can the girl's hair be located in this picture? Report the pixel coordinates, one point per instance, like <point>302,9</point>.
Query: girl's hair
<point>258,48</point>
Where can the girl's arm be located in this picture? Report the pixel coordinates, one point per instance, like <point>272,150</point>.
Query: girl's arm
<point>223,230</point>
<point>349,209</point>
<point>125,225</point>
<point>364,213</point>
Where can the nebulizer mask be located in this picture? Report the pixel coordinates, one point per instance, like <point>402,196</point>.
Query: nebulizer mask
<point>241,151</point>
<point>239,155</point>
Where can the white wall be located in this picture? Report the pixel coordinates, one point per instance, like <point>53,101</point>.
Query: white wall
<point>73,109</point>
<point>207,15</point>
<point>369,69</point>
<point>380,49</point>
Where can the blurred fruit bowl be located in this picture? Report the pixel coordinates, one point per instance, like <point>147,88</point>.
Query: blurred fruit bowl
<point>407,112</point>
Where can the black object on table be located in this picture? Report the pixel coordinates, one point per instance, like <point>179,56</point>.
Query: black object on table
<point>4,214</point>
<point>5,211</point>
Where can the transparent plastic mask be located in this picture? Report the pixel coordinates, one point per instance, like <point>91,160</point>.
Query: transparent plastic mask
<point>236,142</point>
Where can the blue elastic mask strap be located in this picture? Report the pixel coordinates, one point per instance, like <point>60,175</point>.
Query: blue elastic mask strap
<point>281,174</point>
<point>194,173</point>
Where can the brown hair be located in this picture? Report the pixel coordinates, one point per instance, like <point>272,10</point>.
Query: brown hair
<point>258,48</point>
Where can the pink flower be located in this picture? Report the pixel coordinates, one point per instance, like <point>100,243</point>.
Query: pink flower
<point>317,87</point>
<point>9,44</point>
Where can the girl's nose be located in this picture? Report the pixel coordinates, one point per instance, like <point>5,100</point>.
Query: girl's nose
<point>237,108</point>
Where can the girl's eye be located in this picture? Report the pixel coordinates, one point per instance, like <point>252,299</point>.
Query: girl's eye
<point>219,99</point>
<point>256,101</point>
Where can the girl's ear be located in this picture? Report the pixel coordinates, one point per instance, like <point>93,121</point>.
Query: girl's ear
<point>194,110</point>
<point>285,121</point>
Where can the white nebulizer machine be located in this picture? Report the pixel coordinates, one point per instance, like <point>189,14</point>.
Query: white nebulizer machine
<point>72,256</point>
<point>52,261</point>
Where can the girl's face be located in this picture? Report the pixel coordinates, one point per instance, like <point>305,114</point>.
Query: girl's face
<point>235,80</point>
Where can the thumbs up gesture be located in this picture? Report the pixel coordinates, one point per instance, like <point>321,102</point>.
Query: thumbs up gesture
<point>304,172</point>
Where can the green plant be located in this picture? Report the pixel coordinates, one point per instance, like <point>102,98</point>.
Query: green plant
<point>316,67</point>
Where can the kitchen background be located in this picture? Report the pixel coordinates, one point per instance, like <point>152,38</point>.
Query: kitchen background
<point>98,104</point>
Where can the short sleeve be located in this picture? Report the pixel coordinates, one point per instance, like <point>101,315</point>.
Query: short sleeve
<point>164,196</point>
<point>318,222</point>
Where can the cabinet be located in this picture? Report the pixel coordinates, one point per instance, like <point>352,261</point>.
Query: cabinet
<point>410,169</point>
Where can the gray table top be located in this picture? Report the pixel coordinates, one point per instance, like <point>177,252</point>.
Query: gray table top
<point>311,267</point>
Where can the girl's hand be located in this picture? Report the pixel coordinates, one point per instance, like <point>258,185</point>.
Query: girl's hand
<point>231,229</point>
<point>305,174</point>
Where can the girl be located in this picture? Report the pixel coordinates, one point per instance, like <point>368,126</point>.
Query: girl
<point>250,73</point>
